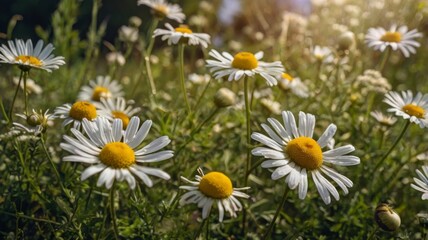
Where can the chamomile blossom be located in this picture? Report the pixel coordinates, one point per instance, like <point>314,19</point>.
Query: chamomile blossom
<point>398,38</point>
<point>323,54</point>
<point>162,9</point>
<point>407,106</point>
<point>116,154</point>
<point>182,34</point>
<point>422,182</point>
<point>294,84</point>
<point>243,64</point>
<point>117,109</point>
<point>102,87</point>
<point>37,122</point>
<point>383,119</point>
<point>293,153</point>
<point>26,56</point>
<point>214,188</point>
<point>75,113</point>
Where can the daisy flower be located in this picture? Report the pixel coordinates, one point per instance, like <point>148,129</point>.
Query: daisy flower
<point>383,119</point>
<point>26,56</point>
<point>243,64</point>
<point>117,154</point>
<point>422,183</point>
<point>162,9</point>
<point>213,188</point>
<point>182,34</point>
<point>116,108</point>
<point>322,54</point>
<point>398,38</point>
<point>293,153</point>
<point>102,87</point>
<point>294,84</point>
<point>75,113</point>
<point>37,122</point>
<point>413,108</point>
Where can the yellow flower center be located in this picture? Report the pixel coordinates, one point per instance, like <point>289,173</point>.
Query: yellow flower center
<point>391,37</point>
<point>244,61</point>
<point>122,116</point>
<point>117,155</point>
<point>160,11</point>
<point>81,110</point>
<point>216,185</point>
<point>100,92</point>
<point>287,76</point>
<point>414,110</point>
<point>305,152</point>
<point>29,60</point>
<point>183,29</point>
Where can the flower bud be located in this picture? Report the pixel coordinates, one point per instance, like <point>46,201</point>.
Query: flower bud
<point>386,218</point>
<point>346,40</point>
<point>34,119</point>
<point>224,98</point>
<point>135,21</point>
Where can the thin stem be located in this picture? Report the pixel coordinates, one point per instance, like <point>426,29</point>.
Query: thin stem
<point>181,67</point>
<point>19,215</point>
<point>25,92</point>
<point>196,130</point>
<point>149,74</point>
<point>54,168</point>
<point>248,123</point>
<point>384,59</point>
<point>207,233</point>
<point>113,212</point>
<point>200,228</point>
<point>147,54</point>
<point>14,96</point>
<point>278,210</point>
<point>392,147</point>
<point>150,37</point>
<point>201,96</point>
<point>373,233</point>
<point>255,166</point>
<point>3,111</point>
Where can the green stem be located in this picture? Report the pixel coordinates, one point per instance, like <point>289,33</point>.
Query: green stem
<point>181,67</point>
<point>196,130</point>
<point>54,168</point>
<point>28,176</point>
<point>149,73</point>
<point>278,210</point>
<point>148,51</point>
<point>19,215</point>
<point>113,212</point>
<point>255,166</point>
<point>373,233</point>
<point>207,233</point>
<point>384,59</point>
<point>25,92</point>
<point>248,123</point>
<point>3,111</point>
<point>150,38</point>
<point>392,147</point>
<point>200,228</point>
<point>202,95</point>
<point>14,97</point>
